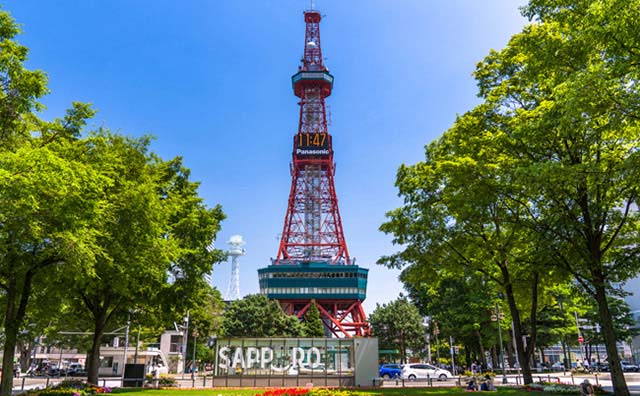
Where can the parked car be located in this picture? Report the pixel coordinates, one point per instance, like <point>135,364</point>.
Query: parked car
<point>627,366</point>
<point>603,367</point>
<point>76,370</point>
<point>557,366</point>
<point>423,371</point>
<point>53,371</point>
<point>388,371</point>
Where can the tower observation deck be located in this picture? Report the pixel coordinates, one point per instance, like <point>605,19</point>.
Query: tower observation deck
<point>313,265</point>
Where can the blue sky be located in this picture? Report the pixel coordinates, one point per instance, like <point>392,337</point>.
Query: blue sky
<point>210,79</point>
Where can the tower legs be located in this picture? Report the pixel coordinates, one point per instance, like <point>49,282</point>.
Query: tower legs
<point>342,318</point>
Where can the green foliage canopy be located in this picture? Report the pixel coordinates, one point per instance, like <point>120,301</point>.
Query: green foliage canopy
<point>398,325</point>
<point>257,316</point>
<point>551,156</point>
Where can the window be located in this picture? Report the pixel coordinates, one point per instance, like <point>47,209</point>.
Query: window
<point>176,344</point>
<point>106,361</point>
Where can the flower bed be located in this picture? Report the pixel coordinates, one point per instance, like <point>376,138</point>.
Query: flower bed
<point>310,392</point>
<point>69,388</point>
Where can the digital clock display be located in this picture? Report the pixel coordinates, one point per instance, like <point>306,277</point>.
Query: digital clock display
<point>315,144</point>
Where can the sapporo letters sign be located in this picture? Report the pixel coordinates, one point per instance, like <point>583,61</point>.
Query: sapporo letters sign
<point>265,358</point>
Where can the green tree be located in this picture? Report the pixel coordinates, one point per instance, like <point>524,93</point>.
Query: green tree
<point>555,321</point>
<point>398,325</point>
<point>257,316</point>
<point>458,218</point>
<point>559,128</point>
<point>312,323</point>
<point>461,305</point>
<point>152,224</point>
<point>46,195</point>
<point>624,324</point>
<point>205,320</point>
<point>564,98</point>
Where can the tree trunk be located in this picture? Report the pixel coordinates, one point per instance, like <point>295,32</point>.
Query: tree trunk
<point>483,357</point>
<point>494,358</point>
<point>509,347</point>
<point>606,322</point>
<point>93,361</point>
<point>17,298</point>
<point>25,354</point>
<point>523,359</point>
<point>10,335</point>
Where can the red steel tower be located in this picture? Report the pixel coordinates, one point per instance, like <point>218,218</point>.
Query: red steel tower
<point>313,263</point>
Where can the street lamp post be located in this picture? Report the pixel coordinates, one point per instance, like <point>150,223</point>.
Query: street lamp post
<point>135,357</point>
<point>598,344</point>
<point>126,345</point>
<point>195,339</point>
<point>429,347</point>
<point>453,359</point>
<point>425,322</point>
<point>501,354</point>
<point>184,343</point>
<point>436,331</point>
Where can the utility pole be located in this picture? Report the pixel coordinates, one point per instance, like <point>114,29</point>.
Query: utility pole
<point>126,345</point>
<point>598,344</point>
<point>453,359</point>
<point>426,321</point>
<point>195,338</point>
<point>436,331</point>
<point>184,343</point>
<point>135,357</point>
<point>429,347</point>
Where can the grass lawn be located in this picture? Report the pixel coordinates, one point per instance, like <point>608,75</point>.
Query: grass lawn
<point>364,392</point>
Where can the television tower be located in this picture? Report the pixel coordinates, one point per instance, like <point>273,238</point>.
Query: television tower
<point>236,242</point>
<point>313,263</point>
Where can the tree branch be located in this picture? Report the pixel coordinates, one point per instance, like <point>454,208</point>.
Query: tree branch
<point>620,224</point>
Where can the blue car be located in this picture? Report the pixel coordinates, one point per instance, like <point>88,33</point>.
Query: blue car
<point>388,371</point>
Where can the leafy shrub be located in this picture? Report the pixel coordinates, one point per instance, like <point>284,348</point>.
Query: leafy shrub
<point>72,383</point>
<point>167,382</point>
<point>53,392</point>
<point>562,389</point>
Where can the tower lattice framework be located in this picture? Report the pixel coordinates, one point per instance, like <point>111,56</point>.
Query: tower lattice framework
<point>312,231</point>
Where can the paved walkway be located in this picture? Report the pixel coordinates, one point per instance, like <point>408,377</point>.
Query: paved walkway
<point>633,381</point>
